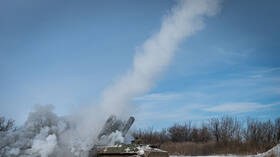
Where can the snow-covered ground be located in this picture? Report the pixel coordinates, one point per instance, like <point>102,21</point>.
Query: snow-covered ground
<point>223,156</point>
<point>275,151</point>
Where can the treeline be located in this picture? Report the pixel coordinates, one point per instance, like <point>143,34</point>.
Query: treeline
<point>216,136</point>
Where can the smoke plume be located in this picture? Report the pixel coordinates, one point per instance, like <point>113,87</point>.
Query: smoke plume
<point>156,52</point>
<point>46,134</point>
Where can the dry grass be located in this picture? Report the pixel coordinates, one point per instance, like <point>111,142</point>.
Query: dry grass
<point>210,148</point>
<point>189,148</point>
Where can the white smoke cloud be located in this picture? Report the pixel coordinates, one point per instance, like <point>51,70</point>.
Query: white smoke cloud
<point>44,145</point>
<point>156,52</point>
<point>38,136</point>
<point>115,137</point>
<point>45,134</point>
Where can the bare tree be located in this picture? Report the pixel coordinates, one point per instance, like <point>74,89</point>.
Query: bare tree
<point>6,125</point>
<point>180,133</point>
<point>277,130</point>
<point>225,129</point>
<point>214,125</point>
<point>195,135</point>
<point>149,136</point>
<point>204,134</point>
<point>230,129</point>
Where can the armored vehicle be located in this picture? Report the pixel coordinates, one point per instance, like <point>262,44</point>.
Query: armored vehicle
<point>109,146</point>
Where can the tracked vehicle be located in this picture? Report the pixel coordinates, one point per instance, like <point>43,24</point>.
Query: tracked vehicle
<point>108,146</point>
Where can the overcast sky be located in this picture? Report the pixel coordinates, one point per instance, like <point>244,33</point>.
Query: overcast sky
<point>66,52</point>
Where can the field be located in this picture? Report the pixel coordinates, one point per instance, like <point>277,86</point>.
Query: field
<point>274,152</point>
